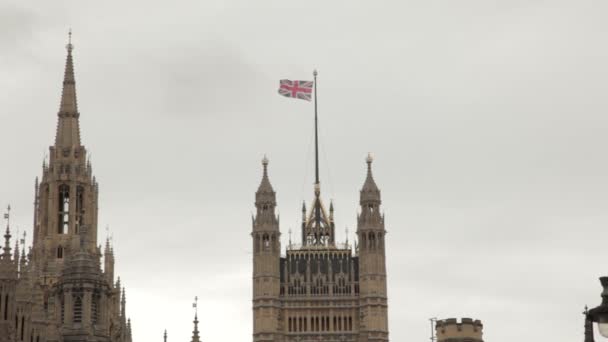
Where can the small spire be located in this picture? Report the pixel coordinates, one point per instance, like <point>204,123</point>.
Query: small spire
<point>7,235</point>
<point>370,190</point>
<point>123,304</point>
<point>165,336</point>
<point>265,184</point>
<point>195,332</point>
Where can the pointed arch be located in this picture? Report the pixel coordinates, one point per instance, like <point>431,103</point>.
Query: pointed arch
<point>63,219</point>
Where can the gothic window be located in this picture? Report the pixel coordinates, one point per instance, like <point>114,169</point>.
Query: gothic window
<point>64,209</point>
<point>257,243</point>
<point>59,252</point>
<point>78,309</point>
<point>266,241</point>
<point>79,207</point>
<point>22,327</point>
<point>350,323</point>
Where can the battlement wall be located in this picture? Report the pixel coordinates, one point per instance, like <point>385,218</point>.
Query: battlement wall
<point>467,330</point>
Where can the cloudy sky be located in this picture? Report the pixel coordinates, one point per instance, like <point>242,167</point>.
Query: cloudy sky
<point>487,120</point>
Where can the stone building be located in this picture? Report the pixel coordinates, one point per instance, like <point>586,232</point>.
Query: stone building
<point>57,291</point>
<point>321,290</point>
<point>467,330</point>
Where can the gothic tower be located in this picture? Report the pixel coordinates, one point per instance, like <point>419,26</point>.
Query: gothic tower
<point>266,262</point>
<point>67,195</point>
<point>58,292</point>
<point>372,263</point>
<point>320,290</point>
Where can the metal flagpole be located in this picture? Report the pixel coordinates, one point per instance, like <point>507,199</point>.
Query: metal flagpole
<point>317,185</point>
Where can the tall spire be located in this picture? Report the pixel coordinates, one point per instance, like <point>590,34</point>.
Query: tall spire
<point>68,130</point>
<point>165,336</point>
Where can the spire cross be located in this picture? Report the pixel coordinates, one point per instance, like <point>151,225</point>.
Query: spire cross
<point>195,306</point>
<point>23,239</point>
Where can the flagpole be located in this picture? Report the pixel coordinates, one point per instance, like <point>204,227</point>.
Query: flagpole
<point>317,184</point>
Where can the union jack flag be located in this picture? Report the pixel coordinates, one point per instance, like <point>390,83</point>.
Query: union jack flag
<point>297,89</point>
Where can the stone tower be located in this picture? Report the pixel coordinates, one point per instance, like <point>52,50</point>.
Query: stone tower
<point>58,292</point>
<point>266,262</point>
<point>372,262</point>
<point>315,291</point>
<point>467,330</point>
<point>67,195</point>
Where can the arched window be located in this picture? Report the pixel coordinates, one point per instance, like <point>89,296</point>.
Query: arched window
<point>59,252</point>
<point>22,327</point>
<point>63,219</point>
<point>79,208</point>
<point>266,241</point>
<point>77,309</point>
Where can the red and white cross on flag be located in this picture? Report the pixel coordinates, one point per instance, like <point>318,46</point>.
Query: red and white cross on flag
<point>296,89</point>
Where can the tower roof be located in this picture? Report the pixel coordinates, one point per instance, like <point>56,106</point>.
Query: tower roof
<point>68,130</point>
<point>265,191</point>
<point>265,186</point>
<point>370,191</point>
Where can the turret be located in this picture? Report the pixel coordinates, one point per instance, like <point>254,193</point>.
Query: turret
<point>266,261</point>
<point>467,330</point>
<point>372,265</point>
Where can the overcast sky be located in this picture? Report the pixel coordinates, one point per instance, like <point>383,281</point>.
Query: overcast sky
<point>487,120</point>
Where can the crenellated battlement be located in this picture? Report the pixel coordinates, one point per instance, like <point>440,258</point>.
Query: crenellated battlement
<point>451,330</point>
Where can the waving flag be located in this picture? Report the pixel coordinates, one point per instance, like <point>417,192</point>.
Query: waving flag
<point>296,89</point>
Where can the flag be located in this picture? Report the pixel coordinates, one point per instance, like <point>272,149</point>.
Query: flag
<point>297,89</point>
<point>6,216</point>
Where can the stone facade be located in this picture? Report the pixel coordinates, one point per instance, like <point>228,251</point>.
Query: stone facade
<point>58,290</point>
<point>321,290</point>
<point>467,330</point>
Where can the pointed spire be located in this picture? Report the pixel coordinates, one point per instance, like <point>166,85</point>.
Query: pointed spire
<point>68,130</point>
<point>123,304</point>
<point>129,335</point>
<point>195,333</point>
<point>165,336</point>
<point>7,235</point>
<point>265,186</point>
<point>370,191</point>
